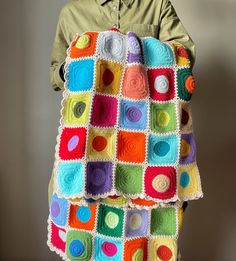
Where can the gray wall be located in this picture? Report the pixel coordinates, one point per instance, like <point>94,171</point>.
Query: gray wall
<point>30,118</point>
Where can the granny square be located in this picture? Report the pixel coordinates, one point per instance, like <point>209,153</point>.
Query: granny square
<point>110,221</point>
<point>181,54</point>
<point>135,54</point>
<point>136,249</point>
<point>84,45</point>
<point>99,177</point>
<point>78,245</point>
<point>108,77</point>
<point>112,46</point>
<point>58,237</point>
<point>161,84</point>
<point>152,47</point>
<point>104,112</point>
<point>133,115</point>
<point>101,144</point>
<point>81,75</point>
<point>163,117</point>
<point>106,249</point>
<point>186,84</point>
<point>135,84</point>
<point>131,146</point>
<point>189,184</point>
<point>137,222</point>
<point>160,182</point>
<point>162,149</point>
<point>70,178</point>
<point>188,148</point>
<point>129,178</point>
<point>164,221</point>
<point>76,110</point>
<point>58,210</point>
<point>82,217</point>
<point>185,112</point>
<point>163,249</point>
<point>72,143</point>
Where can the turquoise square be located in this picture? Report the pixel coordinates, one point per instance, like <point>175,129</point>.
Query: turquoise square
<point>107,249</point>
<point>157,53</point>
<point>81,75</point>
<point>162,150</point>
<point>70,178</point>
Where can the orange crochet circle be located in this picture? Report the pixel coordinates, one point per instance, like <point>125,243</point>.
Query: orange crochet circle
<point>143,202</point>
<point>190,84</point>
<point>99,143</point>
<point>185,148</point>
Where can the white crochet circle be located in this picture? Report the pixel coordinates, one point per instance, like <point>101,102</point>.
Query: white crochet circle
<point>135,221</point>
<point>161,183</point>
<point>161,84</point>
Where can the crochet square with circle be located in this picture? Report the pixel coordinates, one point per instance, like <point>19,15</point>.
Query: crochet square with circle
<point>125,156</point>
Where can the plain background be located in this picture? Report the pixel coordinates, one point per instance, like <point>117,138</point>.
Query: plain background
<point>30,118</point>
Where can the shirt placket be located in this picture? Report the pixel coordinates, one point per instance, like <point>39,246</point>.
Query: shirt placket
<point>115,14</point>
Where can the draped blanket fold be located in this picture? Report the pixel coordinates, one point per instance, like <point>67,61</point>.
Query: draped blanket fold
<point>125,158</point>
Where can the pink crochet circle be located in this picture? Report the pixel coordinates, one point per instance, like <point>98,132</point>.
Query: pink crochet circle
<point>109,249</point>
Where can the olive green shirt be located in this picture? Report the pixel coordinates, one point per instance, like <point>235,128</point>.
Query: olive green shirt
<point>155,18</point>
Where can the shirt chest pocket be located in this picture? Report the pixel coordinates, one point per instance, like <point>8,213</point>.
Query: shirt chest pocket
<point>143,30</point>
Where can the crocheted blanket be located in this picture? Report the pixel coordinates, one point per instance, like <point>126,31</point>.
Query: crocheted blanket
<point>125,157</point>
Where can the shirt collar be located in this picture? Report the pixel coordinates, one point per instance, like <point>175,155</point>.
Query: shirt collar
<point>127,2</point>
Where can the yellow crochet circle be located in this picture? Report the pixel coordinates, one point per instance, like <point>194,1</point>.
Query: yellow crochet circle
<point>163,118</point>
<point>138,255</point>
<point>83,41</point>
<point>135,221</point>
<point>185,148</point>
<point>111,219</point>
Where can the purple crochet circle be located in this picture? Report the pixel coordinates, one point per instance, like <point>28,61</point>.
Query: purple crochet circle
<point>55,209</point>
<point>73,142</point>
<point>134,46</point>
<point>99,178</point>
<point>133,114</point>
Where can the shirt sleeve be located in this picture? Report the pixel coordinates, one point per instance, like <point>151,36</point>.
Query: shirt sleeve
<point>58,53</point>
<point>171,28</point>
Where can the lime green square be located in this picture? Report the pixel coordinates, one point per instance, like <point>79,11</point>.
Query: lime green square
<point>163,117</point>
<point>110,221</point>
<point>78,245</point>
<point>76,109</point>
<point>128,178</point>
<point>163,221</point>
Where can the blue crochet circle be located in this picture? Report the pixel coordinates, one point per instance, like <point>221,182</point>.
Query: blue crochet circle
<point>161,148</point>
<point>184,179</point>
<point>83,214</point>
<point>76,248</point>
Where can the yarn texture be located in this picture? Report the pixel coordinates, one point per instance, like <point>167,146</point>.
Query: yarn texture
<point>125,157</point>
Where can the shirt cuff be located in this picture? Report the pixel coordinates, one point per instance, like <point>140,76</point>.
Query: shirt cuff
<point>58,80</point>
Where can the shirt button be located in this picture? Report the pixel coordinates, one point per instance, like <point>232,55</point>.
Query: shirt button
<point>115,7</point>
